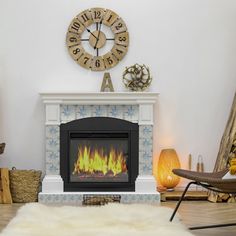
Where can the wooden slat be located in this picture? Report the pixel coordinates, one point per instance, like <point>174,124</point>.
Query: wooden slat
<point>225,146</point>
<point>227,139</point>
<point>5,194</point>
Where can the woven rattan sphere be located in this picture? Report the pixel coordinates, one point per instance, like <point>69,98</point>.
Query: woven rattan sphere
<point>137,77</point>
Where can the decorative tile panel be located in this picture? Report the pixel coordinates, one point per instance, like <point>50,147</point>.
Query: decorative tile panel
<point>145,149</point>
<point>52,149</point>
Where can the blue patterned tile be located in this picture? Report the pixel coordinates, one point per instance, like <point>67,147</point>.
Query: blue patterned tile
<point>83,111</point>
<point>115,111</point>
<point>52,168</point>
<point>52,144</point>
<point>145,131</point>
<point>131,113</point>
<point>147,155</point>
<point>99,111</point>
<point>52,162</point>
<point>147,142</point>
<point>52,155</point>
<point>145,164</point>
<point>145,145</point>
<point>67,113</point>
<point>52,131</point>
<point>145,168</point>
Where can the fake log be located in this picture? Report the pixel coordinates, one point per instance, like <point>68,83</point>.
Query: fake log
<point>100,200</point>
<point>5,194</point>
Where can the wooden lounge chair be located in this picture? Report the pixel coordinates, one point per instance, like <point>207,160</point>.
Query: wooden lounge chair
<point>212,181</point>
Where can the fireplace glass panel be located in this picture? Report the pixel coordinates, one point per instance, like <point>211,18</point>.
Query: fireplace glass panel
<point>99,158</point>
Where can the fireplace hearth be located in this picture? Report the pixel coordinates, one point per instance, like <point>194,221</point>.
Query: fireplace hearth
<point>99,154</point>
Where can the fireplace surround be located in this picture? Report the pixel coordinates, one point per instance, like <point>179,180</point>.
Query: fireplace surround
<point>62,108</point>
<point>99,154</point>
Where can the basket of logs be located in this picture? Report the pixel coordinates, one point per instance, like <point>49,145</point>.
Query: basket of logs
<point>2,147</point>
<point>99,200</point>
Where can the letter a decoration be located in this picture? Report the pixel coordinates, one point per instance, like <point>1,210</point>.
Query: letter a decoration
<point>106,83</point>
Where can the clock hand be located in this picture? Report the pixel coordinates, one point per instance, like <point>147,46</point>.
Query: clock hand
<point>92,33</point>
<point>98,34</point>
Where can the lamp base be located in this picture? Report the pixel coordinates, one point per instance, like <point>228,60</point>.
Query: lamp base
<point>170,189</point>
<point>164,189</point>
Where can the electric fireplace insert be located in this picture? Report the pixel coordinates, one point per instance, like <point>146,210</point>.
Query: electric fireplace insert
<point>99,154</point>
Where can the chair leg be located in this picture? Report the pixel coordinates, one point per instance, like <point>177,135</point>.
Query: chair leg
<point>181,199</point>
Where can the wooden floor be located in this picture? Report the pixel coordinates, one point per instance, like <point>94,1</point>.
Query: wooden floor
<point>191,213</point>
<point>196,213</point>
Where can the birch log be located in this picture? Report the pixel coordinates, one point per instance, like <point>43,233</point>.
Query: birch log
<point>225,146</point>
<point>5,194</point>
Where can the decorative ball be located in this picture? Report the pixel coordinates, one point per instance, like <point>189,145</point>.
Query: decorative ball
<point>137,77</point>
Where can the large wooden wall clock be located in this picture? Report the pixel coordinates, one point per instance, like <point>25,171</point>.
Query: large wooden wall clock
<point>97,39</point>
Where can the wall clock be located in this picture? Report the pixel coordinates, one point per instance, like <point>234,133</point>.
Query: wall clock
<point>97,39</point>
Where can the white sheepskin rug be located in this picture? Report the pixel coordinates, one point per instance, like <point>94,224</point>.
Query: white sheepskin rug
<point>35,219</point>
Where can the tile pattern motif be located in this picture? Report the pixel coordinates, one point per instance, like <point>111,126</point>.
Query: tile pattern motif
<point>72,112</point>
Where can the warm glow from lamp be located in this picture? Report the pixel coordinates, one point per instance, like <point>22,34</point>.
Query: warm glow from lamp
<point>168,161</point>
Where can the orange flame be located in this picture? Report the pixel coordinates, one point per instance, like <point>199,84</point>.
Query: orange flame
<point>96,161</point>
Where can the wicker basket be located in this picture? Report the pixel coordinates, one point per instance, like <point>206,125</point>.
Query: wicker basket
<point>24,185</point>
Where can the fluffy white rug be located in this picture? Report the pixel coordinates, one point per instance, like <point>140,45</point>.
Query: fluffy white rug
<point>111,220</point>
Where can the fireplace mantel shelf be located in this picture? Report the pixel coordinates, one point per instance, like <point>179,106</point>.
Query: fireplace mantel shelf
<point>99,98</point>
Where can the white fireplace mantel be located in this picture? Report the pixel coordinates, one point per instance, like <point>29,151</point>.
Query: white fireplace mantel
<point>100,98</point>
<point>145,101</point>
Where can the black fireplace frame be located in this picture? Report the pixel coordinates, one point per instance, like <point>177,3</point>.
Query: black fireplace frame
<point>103,125</point>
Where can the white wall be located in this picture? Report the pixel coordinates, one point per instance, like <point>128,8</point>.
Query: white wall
<point>189,46</point>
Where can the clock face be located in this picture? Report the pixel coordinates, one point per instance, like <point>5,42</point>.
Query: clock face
<point>97,39</point>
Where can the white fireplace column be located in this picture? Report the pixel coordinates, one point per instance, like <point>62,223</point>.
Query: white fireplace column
<point>136,107</point>
<point>52,182</point>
